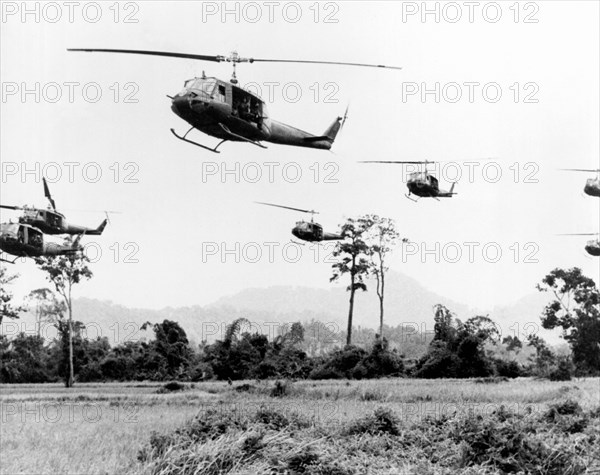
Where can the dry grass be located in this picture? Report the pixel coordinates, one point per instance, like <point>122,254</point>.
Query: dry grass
<point>101,428</point>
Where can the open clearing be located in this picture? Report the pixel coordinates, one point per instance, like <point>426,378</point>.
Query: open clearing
<point>323,427</point>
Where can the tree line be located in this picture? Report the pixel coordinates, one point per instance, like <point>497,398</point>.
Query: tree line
<point>456,349</point>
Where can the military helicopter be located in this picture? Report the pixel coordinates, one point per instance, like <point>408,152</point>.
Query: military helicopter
<point>231,113</point>
<point>50,221</point>
<point>23,240</point>
<point>310,232</point>
<point>421,183</point>
<point>592,185</point>
<point>592,247</point>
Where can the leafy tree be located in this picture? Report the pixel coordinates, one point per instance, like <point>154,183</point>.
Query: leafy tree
<point>25,359</point>
<point>512,343</point>
<point>233,330</point>
<point>482,327</point>
<point>296,333</point>
<point>458,349</point>
<point>443,328</point>
<point>352,253</point>
<point>47,308</point>
<point>7,309</point>
<point>239,358</point>
<point>576,309</point>
<point>544,359</point>
<point>130,361</point>
<point>65,272</point>
<point>381,237</point>
<point>170,350</point>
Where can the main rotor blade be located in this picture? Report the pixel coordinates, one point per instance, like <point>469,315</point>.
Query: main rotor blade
<point>201,57</point>
<point>579,234</point>
<point>48,195</point>
<point>337,63</point>
<point>11,207</point>
<point>579,170</point>
<point>396,162</point>
<point>93,211</point>
<point>234,58</point>
<point>288,207</point>
<point>416,162</point>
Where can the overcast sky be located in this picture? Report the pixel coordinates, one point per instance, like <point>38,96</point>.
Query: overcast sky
<point>518,84</point>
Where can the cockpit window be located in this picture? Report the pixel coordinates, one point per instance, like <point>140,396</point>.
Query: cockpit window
<point>54,219</point>
<point>220,93</point>
<point>206,85</point>
<point>34,238</point>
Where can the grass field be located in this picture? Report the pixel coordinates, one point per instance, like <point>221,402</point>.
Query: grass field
<point>338,427</point>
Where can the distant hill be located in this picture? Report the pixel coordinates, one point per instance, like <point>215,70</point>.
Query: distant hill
<point>407,301</point>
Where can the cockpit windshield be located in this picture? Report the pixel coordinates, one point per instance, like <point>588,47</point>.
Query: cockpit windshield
<point>417,176</point>
<point>205,85</point>
<point>9,229</point>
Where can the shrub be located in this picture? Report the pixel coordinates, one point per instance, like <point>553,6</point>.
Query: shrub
<point>242,388</point>
<point>303,461</point>
<point>353,362</point>
<point>272,418</point>
<point>505,444</point>
<point>508,369</point>
<point>280,389</point>
<point>567,407</point>
<point>173,386</point>
<point>382,421</point>
<point>325,372</point>
<point>563,369</point>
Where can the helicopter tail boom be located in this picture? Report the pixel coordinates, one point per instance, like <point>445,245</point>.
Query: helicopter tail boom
<point>447,194</point>
<point>330,133</point>
<point>101,227</point>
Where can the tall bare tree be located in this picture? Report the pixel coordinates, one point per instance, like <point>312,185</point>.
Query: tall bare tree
<point>352,258</point>
<point>65,272</point>
<point>381,237</point>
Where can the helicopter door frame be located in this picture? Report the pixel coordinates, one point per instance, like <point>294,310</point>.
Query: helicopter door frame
<point>228,92</point>
<point>318,231</point>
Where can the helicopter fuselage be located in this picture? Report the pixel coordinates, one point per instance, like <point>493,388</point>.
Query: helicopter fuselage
<point>53,222</point>
<point>228,112</point>
<point>22,240</point>
<point>593,247</point>
<point>313,232</point>
<point>592,187</point>
<point>424,185</point>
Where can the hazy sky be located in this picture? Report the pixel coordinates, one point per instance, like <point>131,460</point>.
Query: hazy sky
<point>516,83</point>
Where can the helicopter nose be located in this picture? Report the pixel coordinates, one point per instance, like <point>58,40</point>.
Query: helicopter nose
<point>180,104</point>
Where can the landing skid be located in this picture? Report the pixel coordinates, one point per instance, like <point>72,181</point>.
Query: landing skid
<point>9,262</point>
<point>196,143</point>
<point>412,199</point>
<point>239,137</point>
